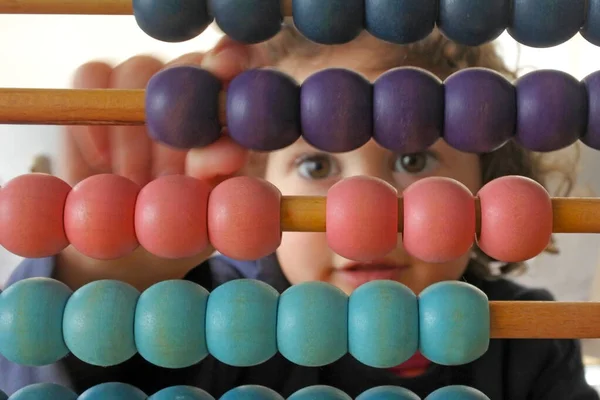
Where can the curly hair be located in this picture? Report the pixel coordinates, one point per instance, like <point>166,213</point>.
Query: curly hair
<point>443,57</point>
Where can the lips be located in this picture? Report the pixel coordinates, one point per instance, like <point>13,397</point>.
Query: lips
<point>357,274</point>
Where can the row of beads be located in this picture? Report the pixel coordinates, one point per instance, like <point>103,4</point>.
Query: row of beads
<point>534,23</point>
<point>244,322</point>
<point>405,110</point>
<point>109,216</point>
<point>122,391</point>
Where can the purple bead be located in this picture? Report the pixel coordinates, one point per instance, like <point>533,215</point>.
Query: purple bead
<point>551,110</point>
<point>263,110</point>
<point>408,108</point>
<point>336,110</point>
<point>592,136</point>
<point>182,107</point>
<point>480,110</point>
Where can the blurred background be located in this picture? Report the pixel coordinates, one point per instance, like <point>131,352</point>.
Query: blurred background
<point>43,52</point>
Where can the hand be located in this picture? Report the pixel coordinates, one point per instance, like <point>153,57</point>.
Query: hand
<point>128,151</point>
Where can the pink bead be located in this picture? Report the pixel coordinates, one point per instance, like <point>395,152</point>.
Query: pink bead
<point>31,215</point>
<point>516,219</point>
<point>362,218</point>
<point>99,216</point>
<point>170,216</point>
<point>244,218</point>
<point>439,219</point>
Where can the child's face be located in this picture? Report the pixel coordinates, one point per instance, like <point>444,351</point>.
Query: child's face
<point>302,170</point>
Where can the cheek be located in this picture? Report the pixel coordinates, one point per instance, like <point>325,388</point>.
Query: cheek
<point>305,257</point>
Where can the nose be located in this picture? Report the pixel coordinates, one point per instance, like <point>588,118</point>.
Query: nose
<point>371,160</point>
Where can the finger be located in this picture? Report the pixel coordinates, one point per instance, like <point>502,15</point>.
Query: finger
<point>230,58</point>
<point>91,141</point>
<point>167,161</point>
<point>131,147</point>
<point>216,161</point>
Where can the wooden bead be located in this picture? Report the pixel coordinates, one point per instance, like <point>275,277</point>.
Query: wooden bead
<point>251,392</point>
<point>44,391</point>
<point>165,335</point>
<point>247,21</point>
<point>516,219</point>
<point>319,392</point>
<point>439,219</point>
<point>454,323</point>
<point>172,21</point>
<point>329,22</point>
<point>31,215</point>
<point>390,336</point>
<point>244,216</point>
<point>170,216</point>
<point>545,23</point>
<point>388,393</point>
<point>401,22</point>
<point>31,313</point>
<point>99,216</point>
<point>472,22</point>
<point>457,392</point>
<point>362,218</point>
<point>591,29</point>
<point>241,317</point>
<point>98,323</point>
<point>181,392</point>
<point>113,391</point>
<point>312,324</point>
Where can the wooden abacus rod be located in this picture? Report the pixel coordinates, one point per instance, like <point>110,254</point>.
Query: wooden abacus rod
<point>85,7</point>
<point>571,215</point>
<point>544,320</point>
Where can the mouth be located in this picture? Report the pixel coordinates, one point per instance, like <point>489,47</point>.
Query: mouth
<point>358,274</point>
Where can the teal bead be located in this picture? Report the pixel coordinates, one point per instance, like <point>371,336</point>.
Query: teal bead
<point>44,391</point>
<point>388,393</point>
<point>457,392</point>
<point>3,396</point>
<point>113,391</point>
<point>319,392</point>
<point>31,313</point>
<point>312,324</point>
<point>181,393</point>
<point>98,322</point>
<point>251,392</point>
<point>241,317</point>
<point>169,324</point>
<point>390,336</point>
<point>454,323</point>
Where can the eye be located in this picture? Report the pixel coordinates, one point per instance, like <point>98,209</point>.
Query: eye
<point>416,163</point>
<point>317,166</point>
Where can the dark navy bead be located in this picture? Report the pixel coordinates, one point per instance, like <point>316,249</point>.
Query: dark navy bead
<point>592,136</point>
<point>480,111</point>
<point>400,21</point>
<point>263,110</point>
<point>173,20</point>
<point>247,21</point>
<point>336,110</point>
<point>473,22</point>
<point>551,110</point>
<point>182,107</point>
<point>329,21</point>
<point>546,23</point>
<point>591,28</point>
<point>408,107</point>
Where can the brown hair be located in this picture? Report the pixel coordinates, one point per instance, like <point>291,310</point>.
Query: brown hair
<point>443,57</point>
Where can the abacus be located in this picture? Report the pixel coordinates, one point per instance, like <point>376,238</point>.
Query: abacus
<point>313,324</point>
